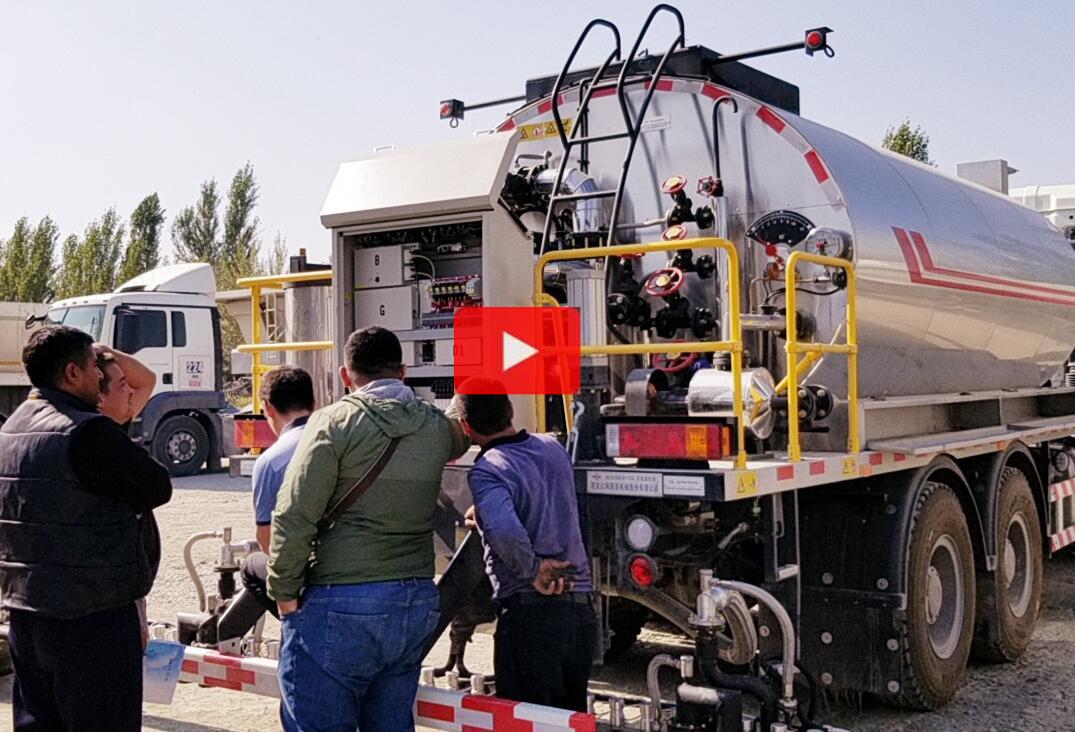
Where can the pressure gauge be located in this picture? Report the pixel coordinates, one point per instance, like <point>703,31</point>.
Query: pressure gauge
<point>829,243</point>
<point>786,228</point>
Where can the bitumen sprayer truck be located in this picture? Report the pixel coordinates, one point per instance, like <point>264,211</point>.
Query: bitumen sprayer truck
<point>825,417</point>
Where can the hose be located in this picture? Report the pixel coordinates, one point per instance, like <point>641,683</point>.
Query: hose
<point>755,687</point>
<point>189,561</point>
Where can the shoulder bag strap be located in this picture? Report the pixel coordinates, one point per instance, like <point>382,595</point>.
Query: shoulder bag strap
<point>360,486</point>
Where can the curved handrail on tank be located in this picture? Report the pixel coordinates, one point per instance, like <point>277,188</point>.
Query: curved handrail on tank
<point>566,139</point>
<point>256,347</point>
<point>733,346</point>
<point>559,85</point>
<point>621,95</point>
<point>716,130</point>
<point>814,350</point>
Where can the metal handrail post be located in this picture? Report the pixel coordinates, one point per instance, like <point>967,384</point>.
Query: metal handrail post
<point>793,348</point>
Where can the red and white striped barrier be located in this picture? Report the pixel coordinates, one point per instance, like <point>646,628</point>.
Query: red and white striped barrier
<point>209,668</point>
<point>442,709</point>
<point>459,711</point>
<point>1063,489</point>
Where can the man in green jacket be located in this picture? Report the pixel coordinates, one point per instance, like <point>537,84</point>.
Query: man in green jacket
<point>357,599</point>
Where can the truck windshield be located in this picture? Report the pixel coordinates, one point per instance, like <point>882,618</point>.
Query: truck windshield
<point>87,318</point>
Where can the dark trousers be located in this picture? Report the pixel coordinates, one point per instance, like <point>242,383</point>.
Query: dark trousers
<point>255,575</point>
<point>543,652</point>
<point>83,674</point>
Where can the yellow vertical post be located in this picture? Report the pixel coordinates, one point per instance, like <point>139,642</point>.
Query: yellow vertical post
<point>737,353</point>
<point>792,361</point>
<point>852,366</point>
<point>255,319</point>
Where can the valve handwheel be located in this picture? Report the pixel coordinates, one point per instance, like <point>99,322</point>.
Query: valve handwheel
<point>664,282</point>
<point>674,185</point>
<point>672,363</point>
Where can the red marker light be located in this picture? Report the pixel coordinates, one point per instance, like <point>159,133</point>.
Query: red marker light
<point>643,570</point>
<point>814,39</point>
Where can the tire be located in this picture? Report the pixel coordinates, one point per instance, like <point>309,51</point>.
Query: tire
<point>181,445</point>
<point>938,625</point>
<point>625,620</point>
<point>1010,598</point>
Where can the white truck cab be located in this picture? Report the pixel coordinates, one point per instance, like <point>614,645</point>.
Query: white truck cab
<point>168,319</point>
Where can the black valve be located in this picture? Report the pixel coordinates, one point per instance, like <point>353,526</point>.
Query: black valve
<point>702,322</point>
<point>705,266</point>
<point>624,309</point>
<point>704,217</point>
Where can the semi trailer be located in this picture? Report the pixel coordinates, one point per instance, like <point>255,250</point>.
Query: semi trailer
<point>826,415</point>
<point>827,407</point>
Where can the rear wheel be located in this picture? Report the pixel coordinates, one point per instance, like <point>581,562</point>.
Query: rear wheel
<point>1009,598</point>
<point>939,622</point>
<point>181,445</point>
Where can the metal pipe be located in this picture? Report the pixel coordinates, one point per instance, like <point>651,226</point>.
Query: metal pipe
<point>189,561</point>
<point>683,664</point>
<point>787,629</point>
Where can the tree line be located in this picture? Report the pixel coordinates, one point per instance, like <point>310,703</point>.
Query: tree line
<point>35,266</point>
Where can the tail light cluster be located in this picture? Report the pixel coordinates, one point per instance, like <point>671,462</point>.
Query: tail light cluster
<point>669,441</point>
<point>643,570</point>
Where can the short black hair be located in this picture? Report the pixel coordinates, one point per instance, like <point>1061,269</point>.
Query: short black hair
<point>374,353</point>
<point>486,414</point>
<point>48,351</point>
<point>288,389</point>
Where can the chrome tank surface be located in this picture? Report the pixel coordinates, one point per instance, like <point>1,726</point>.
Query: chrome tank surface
<point>959,288</point>
<point>309,317</point>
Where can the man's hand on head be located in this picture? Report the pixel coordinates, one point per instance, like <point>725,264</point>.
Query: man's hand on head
<point>550,577</point>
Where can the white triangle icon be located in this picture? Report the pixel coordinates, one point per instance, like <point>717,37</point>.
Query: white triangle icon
<point>516,351</point>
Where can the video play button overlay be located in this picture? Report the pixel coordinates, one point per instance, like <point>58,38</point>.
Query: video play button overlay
<point>516,351</point>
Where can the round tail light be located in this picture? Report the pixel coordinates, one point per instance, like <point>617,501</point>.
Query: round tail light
<point>643,570</point>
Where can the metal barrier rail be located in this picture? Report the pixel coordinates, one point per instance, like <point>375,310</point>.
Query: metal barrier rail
<point>734,346</point>
<point>814,351</point>
<point>256,348</point>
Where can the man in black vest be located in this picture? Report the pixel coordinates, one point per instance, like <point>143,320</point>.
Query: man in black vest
<point>73,560</point>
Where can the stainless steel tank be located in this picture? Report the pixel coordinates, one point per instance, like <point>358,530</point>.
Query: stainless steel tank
<point>959,288</point>
<point>309,317</point>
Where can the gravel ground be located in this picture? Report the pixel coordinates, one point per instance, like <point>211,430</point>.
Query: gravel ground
<point>1035,694</point>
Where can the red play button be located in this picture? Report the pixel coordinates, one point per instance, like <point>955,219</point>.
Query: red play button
<point>526,350</point>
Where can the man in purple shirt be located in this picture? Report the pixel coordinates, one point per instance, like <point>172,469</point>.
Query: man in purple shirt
<point>526,509</point>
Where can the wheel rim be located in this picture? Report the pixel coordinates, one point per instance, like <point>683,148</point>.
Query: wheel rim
<point>944,597</point>
<point>181,447</point>
<point>1015,567</point>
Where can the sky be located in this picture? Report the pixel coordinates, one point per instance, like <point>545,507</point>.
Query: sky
<point>105,102</point>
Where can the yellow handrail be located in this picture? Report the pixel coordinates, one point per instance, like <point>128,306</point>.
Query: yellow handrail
<point>814,350</point>
<point>734,346</point>
<point>256,347</point>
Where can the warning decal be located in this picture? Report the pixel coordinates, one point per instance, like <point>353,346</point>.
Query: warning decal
<point>541,130</point>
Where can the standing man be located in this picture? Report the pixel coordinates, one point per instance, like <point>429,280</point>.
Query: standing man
<point>356,596</point>
<point>287,395</point>
<point>126,386</point>
<point>527,512</point>
<point>72,562</point>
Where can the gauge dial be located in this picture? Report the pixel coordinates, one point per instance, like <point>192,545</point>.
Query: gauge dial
<point>780,227</point>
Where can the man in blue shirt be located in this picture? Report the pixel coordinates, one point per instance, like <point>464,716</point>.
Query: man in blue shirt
<point>526,509</point>
<point>287,396</point>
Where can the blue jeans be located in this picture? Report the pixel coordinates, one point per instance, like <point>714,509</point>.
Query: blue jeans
<point>351,654</point>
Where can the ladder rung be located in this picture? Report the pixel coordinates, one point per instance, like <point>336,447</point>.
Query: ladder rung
<point>599,138</point>
<point>582,196</point>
